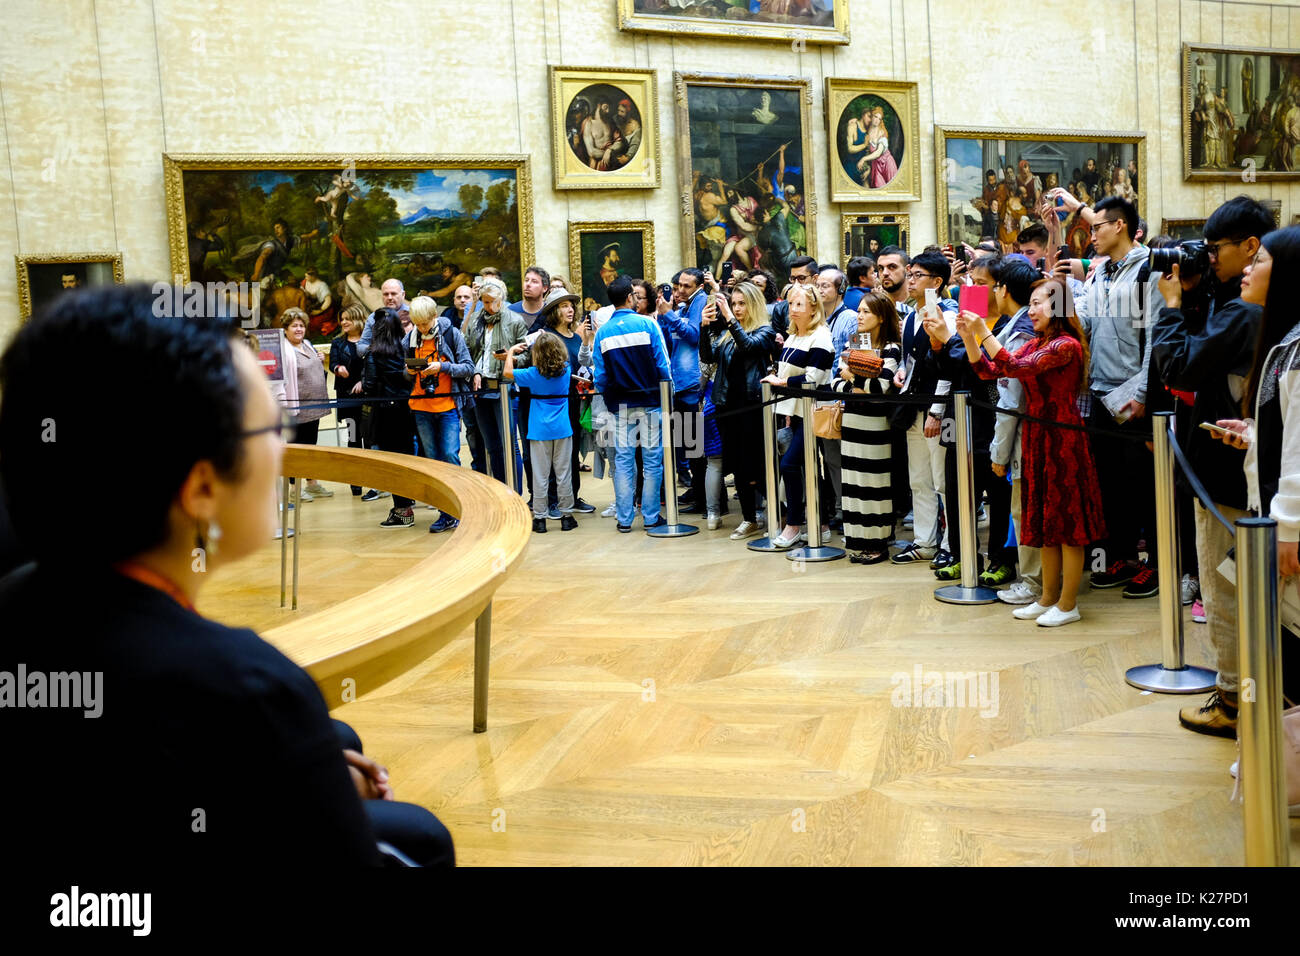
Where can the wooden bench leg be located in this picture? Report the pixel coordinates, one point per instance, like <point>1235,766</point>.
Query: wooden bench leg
<point>482,653</point>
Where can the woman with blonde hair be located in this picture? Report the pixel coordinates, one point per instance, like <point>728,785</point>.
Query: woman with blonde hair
<point>806,360</point>
<point>737,337</point>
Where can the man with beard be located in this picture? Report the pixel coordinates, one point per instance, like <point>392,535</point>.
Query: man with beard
<point>600,136</point>
<point>630,130</point>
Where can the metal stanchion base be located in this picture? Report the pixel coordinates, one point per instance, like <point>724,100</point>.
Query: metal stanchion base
<point>815,553</point>
<point>1155,677</point>
<point>763,544</point>
<point>672,531</point>
<point>956,594</point>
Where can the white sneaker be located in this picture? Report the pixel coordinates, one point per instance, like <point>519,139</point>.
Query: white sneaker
<point>304,495</point>
<point>318,490</point>
<point>782,543</point>
<point>746,529</point>
<point>1055,617</point>
<point>1018,593</point>
<point>1232,770</point>
<point>609,512</point>
<point>276,536</point>
<point>713,521</point>
<point>1028,612</point>
<point>1191,589</point>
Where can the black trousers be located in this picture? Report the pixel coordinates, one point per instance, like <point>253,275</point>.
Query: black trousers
<point>691,453</point>
<point>411,829</point>
<point>1126,473</point>
<point>350,419</point>
<point>999,507</point>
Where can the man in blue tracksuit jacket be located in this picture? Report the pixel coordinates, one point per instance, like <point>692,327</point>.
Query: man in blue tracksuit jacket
<point>630,360</point>
<point>682,328</point>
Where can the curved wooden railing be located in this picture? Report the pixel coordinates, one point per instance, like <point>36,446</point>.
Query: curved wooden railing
<point>375,636</point>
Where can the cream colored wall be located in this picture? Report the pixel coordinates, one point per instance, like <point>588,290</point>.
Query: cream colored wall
<point>91,97</point>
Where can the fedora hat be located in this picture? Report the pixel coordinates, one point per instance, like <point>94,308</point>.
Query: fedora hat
<point>555,297</point>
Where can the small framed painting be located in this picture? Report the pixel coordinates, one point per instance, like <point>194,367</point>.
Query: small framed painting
<point>865,234</point>
<point>44,277</point>
<point>600,252</point>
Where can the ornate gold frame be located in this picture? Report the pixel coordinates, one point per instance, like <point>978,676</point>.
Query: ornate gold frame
<point>1167,224</point>
<point>797,37</point>
<point>175,165</point>
<point>943,133</point>
<point>1231,172</point>
<point>596,179</point>
<point>578,227</point>
<point>903,97</point>
<point>849,219</point>
<point>57,258</point>
<point>680,83</point>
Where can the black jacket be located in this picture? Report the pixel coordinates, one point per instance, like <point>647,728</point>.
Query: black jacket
<point>951,363</point>
<point>925,376</point>
<point>1213,364</point>
<point>742,362</point>
<point>343,352</point>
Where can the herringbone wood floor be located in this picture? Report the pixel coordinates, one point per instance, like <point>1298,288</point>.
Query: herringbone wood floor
<point>688,701</point>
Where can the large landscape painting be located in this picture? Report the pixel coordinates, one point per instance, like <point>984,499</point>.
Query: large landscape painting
<point>322,233</point>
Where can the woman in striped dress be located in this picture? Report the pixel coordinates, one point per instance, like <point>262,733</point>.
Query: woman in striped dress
<point>806,358</point>
<point>865,437</point>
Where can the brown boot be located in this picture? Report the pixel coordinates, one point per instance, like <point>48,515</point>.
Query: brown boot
<point>1217,716</point>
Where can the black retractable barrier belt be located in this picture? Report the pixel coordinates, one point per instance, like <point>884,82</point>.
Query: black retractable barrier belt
<point>1197,487</point>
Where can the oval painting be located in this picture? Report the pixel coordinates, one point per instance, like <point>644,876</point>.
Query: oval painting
<point>603,127</point>
<point>870,141</point>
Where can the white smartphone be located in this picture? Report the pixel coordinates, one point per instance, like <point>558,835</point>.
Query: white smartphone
<point>1215,430</point>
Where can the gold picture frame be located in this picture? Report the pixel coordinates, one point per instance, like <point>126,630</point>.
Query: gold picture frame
<point>727,209</point>
<point>859,228</point>
<point>901,161</point>
<point>35,291</point>
<point>1181,229</point>
<point>1044,147</point>
<point>793,31</point>
<point>427,193</point>
<point>571,88</point>
<point>1207,65</point>
<point>1275,207</point>
<point>590,265</point>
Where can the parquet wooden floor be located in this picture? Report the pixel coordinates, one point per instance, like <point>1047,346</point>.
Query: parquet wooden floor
<point>687,701</point>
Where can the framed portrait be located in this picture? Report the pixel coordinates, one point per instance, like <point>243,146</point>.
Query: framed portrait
<point>1241,113</point>
<point>1181,229</point>
<point>865,234</point>
<point>600,252</point>
<point>1275,207</point>
<point>744,155</point>
<point>44,277</point>
<point>875,127</point>
<point>989,181</point>
<point>323,232</point>
<point>604,128</point>
<point>806,21</point>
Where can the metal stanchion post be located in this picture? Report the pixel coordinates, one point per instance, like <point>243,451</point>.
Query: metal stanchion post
<point>969,591</point>
<point>482,658</point>
<point>1172,675</point>
<point>1259,717</point>
<point>284,535</point>
<point>672,529</point>
<point>508,438</point>
<point>814,550</point>
<point>297,516</point>
<point>769,458</point>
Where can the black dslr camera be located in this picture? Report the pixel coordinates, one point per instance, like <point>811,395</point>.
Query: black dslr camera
<point>1190,255</point>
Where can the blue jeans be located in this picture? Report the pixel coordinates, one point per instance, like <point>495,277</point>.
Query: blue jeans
<point>637,427</point>
<point>792,475</point>
<point>439,435</point>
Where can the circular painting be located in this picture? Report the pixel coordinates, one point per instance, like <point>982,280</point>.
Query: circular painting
<point>870,141</point>
<point>603,127</point>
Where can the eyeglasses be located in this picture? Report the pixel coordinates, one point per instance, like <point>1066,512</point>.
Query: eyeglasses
<point>286,427</point>
<point>1213,247</point>
<point>921,275</point>
<point>1101,222</point>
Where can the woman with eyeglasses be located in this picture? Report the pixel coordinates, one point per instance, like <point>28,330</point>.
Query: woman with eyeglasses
<point>187,745</point>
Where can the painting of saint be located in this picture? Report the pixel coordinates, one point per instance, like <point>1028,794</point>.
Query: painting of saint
<point>603,127</point>
<point>600,252</point>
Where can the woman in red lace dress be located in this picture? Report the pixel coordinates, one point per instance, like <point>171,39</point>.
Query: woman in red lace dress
<point>1061,497</point>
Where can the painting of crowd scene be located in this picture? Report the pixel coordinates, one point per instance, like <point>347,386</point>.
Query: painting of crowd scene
<point>748,176</point>
<point>1241,113</point>
<point>817,21</point>
<point>995,187</point>
<point>322,239</point>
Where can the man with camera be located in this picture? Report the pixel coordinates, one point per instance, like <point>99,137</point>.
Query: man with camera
<point>1204,342</point>
<point>1117,305</point>
<point>681,330</point>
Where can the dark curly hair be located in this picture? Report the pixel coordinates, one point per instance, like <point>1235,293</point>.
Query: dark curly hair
<point>178,381</point>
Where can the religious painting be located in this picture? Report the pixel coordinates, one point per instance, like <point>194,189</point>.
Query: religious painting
<point>43,278</point>
<point>990,183</point>
<point>321,233</point>
<point>794,22</point>
<point>605,128</point>
<point>1182,229</point>
<point>744,154</point>
<point>1241,113</point>
<point>865,234</point>
<point>600,252</point>
<point>875,129</point>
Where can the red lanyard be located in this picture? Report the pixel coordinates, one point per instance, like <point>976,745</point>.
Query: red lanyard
<point>153,579</point>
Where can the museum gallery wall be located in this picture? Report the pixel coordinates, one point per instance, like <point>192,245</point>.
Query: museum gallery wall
<point>95,98</point>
